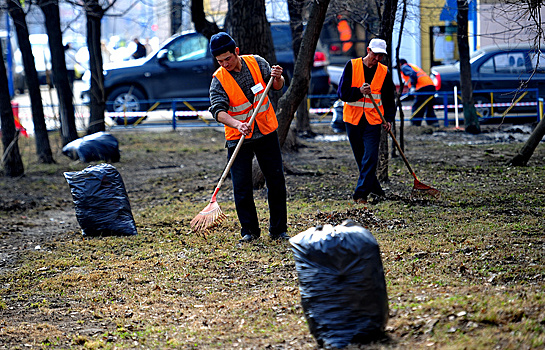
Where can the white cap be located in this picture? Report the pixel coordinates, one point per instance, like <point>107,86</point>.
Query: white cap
<point>378,46</point>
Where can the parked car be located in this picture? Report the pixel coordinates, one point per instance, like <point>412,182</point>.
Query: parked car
<point>182,68</point>
<point>497,67</point>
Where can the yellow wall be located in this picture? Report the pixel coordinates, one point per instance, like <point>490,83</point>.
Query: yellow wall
<point>430,10</point>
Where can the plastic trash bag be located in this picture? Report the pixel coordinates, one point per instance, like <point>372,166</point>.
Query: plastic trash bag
<point>342,284</point>
<point>337,123</point>
<point>102,203</point>
<point>97,146</point>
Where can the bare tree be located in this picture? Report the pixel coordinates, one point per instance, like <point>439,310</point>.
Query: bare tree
<point>401,82</point>
<point>11,158</point>
<point>247,23</point>
<point>523,156</point>
<point>198,17</point>
<point>43,147</point>
<point>298,88</point>
<point>50,8</point>
<point>387,19</point>
<point>295,9</point>
<point>471,120</point>
<point>97,97</point>
<point>532,8</point>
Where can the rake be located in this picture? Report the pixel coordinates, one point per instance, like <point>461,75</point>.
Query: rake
<point>212,215</point>
<point>418,188</point>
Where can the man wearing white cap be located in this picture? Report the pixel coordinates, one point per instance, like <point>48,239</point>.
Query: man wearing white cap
<point>364,77</point>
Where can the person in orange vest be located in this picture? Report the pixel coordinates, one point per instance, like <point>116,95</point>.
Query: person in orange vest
<point>234,93</point>
<point>418,81</point>
<point>363,77</point>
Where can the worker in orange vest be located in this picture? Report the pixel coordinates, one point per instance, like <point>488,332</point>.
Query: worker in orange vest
<point>235,91</point>
<point>362,79</point>
<point>420,83</point>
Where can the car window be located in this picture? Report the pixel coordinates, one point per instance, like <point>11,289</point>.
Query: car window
<point>189,47</point>
<point>507,62</point>
<point>538,60</point>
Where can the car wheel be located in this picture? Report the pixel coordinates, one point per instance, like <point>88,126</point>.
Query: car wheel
<point>483,112</point>
<point>126,99</point>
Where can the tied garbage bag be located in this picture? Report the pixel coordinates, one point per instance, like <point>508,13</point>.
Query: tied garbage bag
<point>97,146</point>
<point>102,203</point>
<point>342,285</point>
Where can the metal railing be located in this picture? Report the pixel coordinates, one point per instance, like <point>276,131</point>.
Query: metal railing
<point>191,117</point>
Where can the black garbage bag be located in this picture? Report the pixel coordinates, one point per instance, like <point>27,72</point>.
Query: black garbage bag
<point>102,203</point>
<point>97,146</point>
<point>342,284</point>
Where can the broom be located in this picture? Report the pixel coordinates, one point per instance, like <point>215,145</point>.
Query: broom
<point>212,215</point>
<point>418,187</point>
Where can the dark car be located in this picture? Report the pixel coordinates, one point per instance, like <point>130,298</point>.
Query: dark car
<point>509,70</point>
<point>182,69</point>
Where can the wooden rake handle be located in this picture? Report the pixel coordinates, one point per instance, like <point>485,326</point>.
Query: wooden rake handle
<point>393,138</point>
<point>239,144</point>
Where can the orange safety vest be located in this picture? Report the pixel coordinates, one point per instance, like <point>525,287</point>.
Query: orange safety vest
<point>422,78</point>
<point>353,111</point>
<point>239,106</point>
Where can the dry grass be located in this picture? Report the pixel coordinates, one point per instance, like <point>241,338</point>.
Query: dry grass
<point>463,272</point>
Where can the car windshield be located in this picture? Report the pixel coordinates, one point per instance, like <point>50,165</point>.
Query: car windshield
<point>190,47</point>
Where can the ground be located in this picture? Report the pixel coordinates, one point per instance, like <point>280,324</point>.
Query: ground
<point>37,212</point>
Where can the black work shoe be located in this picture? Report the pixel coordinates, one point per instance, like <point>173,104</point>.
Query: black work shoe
<point>248,238</point>
<point>375,198</point>
<point>280,237</point>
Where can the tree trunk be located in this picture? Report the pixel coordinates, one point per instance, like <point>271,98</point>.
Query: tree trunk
<point>471,120</point>
<point>401,85</point>
<point>288,103</point>
<point>295,9</point>
<point>247,23</point>
<point>94,13</point>
<point>386,30</point>
<point>11,158</point>
<point>176,12</point>
<point>522,158</point>
<point>43,147</point>
<point>198,17</point>
<point>50,8</point>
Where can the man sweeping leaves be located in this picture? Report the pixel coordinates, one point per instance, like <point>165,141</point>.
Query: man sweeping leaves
<point>235,91</point>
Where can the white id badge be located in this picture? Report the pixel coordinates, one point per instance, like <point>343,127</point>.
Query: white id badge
<point>257,88</point>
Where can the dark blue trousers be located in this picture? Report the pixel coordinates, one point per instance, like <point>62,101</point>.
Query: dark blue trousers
<point>428,110</point>
<point>267,151</point>
<point>364,140</point>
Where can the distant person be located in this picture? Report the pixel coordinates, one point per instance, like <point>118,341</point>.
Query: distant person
<point>70,58</point>
<point>140,50</point>
<point>418,81</point>
<point>105,52</point>
<point>363,77</point>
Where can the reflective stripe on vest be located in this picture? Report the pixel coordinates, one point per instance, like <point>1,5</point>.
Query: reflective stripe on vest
<point>422,79</point>
<point>239,106</point>
<point>353,111</point>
